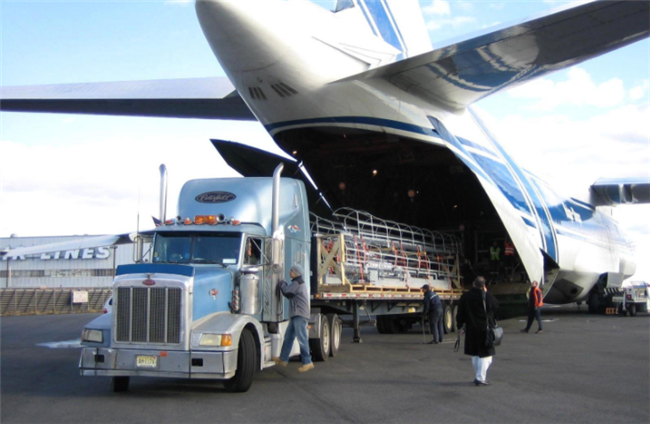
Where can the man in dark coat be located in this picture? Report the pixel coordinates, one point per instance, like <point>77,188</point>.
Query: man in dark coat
<point>433,310</point>
<point>472,317</point>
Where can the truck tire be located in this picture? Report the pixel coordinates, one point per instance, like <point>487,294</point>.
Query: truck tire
<point>454,311</point>
<point>381,325</point>
<point>621,310</point>
<point>320,348</point>
<point>120,384</point>
<point>632,310</point>
<point>246,355</point>
<point>594,303</point>
<point>335,333</point>
<point>447,318</point>
<point>390,325</point>
<point>387,324</point>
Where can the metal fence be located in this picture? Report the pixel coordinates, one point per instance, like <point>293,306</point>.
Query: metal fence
<point>51,301</point>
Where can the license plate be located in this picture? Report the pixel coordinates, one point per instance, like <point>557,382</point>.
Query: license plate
<point>147,361</point>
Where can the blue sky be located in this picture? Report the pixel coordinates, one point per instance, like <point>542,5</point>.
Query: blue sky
<point>67,174</point>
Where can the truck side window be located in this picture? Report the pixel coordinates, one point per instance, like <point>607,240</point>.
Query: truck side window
<point>253,251</point>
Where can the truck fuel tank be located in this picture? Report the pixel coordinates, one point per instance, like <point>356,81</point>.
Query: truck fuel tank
<point>250,292</point>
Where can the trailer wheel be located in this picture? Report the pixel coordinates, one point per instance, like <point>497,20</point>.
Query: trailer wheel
<point>381,325</point>
<point>402,325</point>
<point>447,318</point>
<point>120,384</point>
<point>594,303</point>
<point>632,310</point>
<point>335,331</point>
<point>320,348</point>
<point>388,324</point>
<point>454,311</point>
<point>246,354</point>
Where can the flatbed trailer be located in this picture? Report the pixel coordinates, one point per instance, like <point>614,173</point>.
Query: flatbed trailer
<point>363,264</point>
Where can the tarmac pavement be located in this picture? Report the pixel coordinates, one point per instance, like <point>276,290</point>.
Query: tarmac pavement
<point>581,369</point>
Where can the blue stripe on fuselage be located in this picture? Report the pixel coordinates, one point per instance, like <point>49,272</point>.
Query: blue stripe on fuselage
<point>388,123</point>
<point>477,147</point>
<point>383,23</point>
<point>366,14</point>
<point>549,239</point>
<point>462,154</point>
<point>505,181</point>
<point>405,47</point>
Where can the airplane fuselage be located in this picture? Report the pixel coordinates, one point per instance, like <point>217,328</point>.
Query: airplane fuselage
<point>289,64</point>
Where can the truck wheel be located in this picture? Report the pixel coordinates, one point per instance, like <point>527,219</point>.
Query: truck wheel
<point>392,324</point>
<point>381,325</point>
<point>594,303</point>
<point>120,384</point>
<point>621,310</point>
<point>454,311</point>
<point>447,319</point>
<point>387,324</point>
<point>335,333</point>
<point>246,354</point>
<point>632,310</point>
<point>320,348</point>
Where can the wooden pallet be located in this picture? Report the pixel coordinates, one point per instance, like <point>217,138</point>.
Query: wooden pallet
<point>366,288</point>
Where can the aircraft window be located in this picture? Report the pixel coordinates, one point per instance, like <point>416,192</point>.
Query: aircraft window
<point>182,248</point>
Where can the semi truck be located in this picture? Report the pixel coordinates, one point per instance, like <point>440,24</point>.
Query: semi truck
<point>203,302</point>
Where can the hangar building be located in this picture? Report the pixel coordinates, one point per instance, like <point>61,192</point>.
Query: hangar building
<point>92,267</point>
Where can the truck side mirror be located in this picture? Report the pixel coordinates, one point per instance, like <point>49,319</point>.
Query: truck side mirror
<point>250,270</point>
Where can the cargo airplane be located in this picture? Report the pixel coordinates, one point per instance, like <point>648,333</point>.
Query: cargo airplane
<point>382,122</point>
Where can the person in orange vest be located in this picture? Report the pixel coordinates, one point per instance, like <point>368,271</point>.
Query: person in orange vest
<point>535,302</point>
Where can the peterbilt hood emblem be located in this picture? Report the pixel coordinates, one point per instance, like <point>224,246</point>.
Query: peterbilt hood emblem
<point>215,197</point>
<point>148,282</point>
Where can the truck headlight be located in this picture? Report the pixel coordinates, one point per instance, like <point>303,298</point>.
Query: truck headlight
<point>95,336</point>
<point>208,339</point>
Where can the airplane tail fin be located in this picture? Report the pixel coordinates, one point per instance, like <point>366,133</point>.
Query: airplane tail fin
<point>398,22</point>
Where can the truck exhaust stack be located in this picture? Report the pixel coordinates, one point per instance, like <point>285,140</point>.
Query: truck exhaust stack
<point>275,220</point>
<point>163,193</point>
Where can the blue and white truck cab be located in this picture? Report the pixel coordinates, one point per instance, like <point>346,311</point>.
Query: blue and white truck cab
<point>206,304</point>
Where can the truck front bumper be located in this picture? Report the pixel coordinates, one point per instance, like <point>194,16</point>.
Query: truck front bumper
<point>157,363</point>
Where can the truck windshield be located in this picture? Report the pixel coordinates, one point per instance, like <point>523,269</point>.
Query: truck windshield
<point>183,248</point>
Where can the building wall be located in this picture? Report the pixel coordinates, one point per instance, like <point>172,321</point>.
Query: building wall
<point>72,268</point>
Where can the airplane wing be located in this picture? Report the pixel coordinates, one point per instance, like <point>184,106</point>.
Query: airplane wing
<point>77,244</point>
<point>620,191</point>
<point>204,98</point>
<point>463,73</point>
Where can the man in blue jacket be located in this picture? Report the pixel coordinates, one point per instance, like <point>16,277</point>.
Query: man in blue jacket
<point>433,310</point>
<point>298,296</point>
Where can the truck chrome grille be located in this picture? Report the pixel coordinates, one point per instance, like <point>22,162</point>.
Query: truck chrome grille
<point>148,315</point>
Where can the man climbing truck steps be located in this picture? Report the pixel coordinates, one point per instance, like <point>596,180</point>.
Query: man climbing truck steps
<point>204,303</point>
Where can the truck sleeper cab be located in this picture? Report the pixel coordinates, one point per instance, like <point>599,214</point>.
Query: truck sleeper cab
<point>206,306</point>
